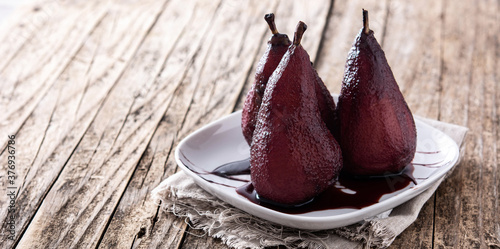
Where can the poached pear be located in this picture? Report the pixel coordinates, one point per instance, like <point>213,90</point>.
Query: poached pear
<point>377,130</point>
<point>293,156</point>
<point>276,48</point>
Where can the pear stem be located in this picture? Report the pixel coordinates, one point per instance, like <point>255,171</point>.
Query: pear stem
<point>299,31</point>
<point>270,21</point>
<point>366,25</point>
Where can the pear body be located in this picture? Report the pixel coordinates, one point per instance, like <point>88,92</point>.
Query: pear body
<point>293,156</point>
<point>326,106</point>
<point>276,48</point>
<point>377,129</point>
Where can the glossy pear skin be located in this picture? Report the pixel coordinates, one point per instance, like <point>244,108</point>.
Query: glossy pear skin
<point>326,105</point>
<point>276,48</point>
<point>293,157</point>
<point>377,130</point>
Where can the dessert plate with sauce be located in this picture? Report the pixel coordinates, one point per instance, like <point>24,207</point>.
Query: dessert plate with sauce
<point>216,157</point>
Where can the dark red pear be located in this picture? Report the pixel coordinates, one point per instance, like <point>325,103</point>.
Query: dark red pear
<point>326,106</point>
<point>276,48</point>
<point>377,130</point>
<point>293,156</point>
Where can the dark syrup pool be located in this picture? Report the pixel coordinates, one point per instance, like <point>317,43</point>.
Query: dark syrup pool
<point>348,192</point>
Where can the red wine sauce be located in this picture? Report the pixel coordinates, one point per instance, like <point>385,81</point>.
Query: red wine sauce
<point>348,192</point>
<point>362,192</point>
<point>233,168</point>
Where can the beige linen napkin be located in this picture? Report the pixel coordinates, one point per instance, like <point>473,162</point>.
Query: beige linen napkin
<point>179,195</point>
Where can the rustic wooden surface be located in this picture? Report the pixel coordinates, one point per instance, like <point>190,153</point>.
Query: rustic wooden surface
<point>99,93</point>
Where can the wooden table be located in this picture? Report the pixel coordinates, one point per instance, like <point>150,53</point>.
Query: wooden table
<point>97,94</point>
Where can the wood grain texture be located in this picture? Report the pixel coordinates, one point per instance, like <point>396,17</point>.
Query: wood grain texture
<point>458,36</point>
<point>99,94</point>
<point>136,208</point>
<point>26,83</point>
<point>77,107</point>
<point>469,83</point>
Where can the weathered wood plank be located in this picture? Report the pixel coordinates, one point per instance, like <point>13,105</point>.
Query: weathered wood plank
<point>96,67</point>
<point>483,99</point>
<point>15,30</point>
<point>38,129</point>
<point>31,23</point>
<point>467,203</point>
<point>493,228</point>
<point>136,212</point>
<point>94,72</point>
<point>38,63</point>
<point>458,48</point>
